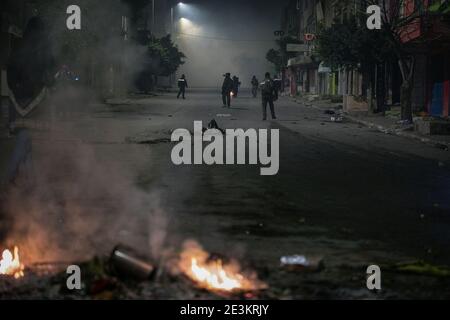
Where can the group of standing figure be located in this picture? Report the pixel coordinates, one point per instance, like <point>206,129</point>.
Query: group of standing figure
<point>230,87</point>
<point>269,92</point>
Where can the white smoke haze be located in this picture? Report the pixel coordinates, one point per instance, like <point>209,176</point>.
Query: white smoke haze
<point>232,36</point>
<point>77,200</point>
<point>80,200</point>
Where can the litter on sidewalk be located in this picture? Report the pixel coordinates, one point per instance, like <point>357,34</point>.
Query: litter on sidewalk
<point>302,263</point>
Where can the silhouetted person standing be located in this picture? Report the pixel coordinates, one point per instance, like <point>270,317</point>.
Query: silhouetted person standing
<point>255,84</point>
<point>227,88</point>
<point>182,85</point>
<point>269,95</point>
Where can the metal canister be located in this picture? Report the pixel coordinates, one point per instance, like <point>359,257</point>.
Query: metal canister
<point>126,263</point>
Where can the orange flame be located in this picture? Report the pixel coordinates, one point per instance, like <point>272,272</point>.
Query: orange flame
<point>214,275</point>
<point>10,264</point>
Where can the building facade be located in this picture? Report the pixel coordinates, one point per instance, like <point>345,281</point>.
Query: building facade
<point>427,40</point>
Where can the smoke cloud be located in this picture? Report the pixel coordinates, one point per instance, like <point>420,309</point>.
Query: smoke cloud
<point>232,36</point>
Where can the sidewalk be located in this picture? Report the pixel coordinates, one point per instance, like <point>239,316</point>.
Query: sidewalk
<point>387,124</point>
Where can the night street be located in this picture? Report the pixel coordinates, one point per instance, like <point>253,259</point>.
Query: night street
<point>321,203</point>
<point>214,151</point>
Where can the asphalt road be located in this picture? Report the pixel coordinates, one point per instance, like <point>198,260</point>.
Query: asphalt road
<point>349,194</point>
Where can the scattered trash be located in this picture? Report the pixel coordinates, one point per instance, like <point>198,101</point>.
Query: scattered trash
<point>337,119</point>
<point>330,112</point>
<point>442,146</point>
<point>155,141</point>
<point>404,122</point>
<point>144,140</point>
<point>420,267</point>
<point>126,263</point>
<point>302,263</point>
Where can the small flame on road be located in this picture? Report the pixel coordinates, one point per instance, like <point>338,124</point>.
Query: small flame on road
<point>213,274</point>
<point>10,264</point>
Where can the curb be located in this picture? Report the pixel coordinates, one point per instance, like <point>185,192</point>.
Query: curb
<point>444,145</point>
<point>432,142</point>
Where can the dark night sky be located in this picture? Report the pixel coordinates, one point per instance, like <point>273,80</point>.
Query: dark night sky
<point>226,36</point>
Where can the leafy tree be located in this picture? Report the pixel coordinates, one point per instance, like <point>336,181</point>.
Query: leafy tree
<point>400,17</point>
<point>167,55</point>
<point>274,57</point>
<point>279,57</point>
<point>351,45</point>
<point>163,58</point>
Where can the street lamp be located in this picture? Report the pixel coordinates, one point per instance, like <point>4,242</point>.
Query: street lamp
<point>172,18</point>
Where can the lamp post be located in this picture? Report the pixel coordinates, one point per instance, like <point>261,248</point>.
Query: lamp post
<point>172,16</point>
<point>171,20</point>
<point>153,16</point>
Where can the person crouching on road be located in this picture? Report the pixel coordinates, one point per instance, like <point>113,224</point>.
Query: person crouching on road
<point>227,88</point>
<point>269,95</point>
<point>182,85</point>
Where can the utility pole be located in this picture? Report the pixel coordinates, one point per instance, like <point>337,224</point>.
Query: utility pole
<point>171,20</point>
<point>153,17</point>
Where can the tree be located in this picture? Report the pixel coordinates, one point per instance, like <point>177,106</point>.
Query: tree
<point>350,45</point>
<point>278,57</point>
<point>274,57</point>
<point>399,19</point>
<point>167,54</point>
<point>163,58</point>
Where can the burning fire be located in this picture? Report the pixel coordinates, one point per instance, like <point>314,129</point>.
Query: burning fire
<point>213,275</point>
<point>10,264</point>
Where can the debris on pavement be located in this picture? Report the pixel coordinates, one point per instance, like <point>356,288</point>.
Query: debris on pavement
<point>337,119</point>
<point>441,146</point>
<point>213,125</point>
<point>126,263</point>
<point>422,268</point>
<point>302,263</point>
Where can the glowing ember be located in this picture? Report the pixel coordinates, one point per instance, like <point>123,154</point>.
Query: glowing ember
<point>10,264</point>
<point>213,274</point>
